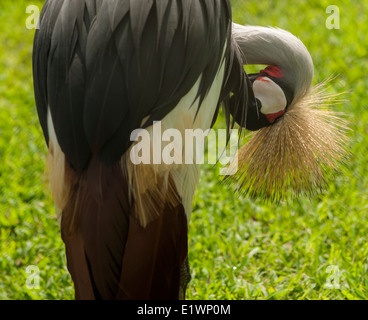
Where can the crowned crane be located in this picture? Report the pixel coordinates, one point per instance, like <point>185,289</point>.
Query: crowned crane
<point>103,69</point>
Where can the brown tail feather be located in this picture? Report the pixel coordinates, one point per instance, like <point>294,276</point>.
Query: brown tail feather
<point>154,256</point>
<point>78,267</point>
<point>110,254</point>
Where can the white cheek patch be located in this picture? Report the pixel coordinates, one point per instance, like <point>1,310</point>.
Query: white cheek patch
<point>270,94</point>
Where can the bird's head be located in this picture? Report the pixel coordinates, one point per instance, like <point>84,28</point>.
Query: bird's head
<point>286,79</point>
<point>272,97</point>
<point>298,139</point>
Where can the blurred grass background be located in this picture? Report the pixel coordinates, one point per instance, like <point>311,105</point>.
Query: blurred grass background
<point>239,248</point>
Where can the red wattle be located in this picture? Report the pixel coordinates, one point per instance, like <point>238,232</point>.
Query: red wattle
<point>273,71</point>
<point>263,79</point>
<point>273,116</point>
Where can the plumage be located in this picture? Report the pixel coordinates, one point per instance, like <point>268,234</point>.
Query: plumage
<point>298,154</point>
<point>101,70</point>
<point>124,46</point>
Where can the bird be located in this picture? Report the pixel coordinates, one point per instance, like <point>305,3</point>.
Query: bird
<point>105,69</point>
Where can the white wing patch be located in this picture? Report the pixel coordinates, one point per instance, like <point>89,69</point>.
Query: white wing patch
<point>143,178</point>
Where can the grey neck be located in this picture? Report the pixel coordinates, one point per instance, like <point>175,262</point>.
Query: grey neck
<point>277,47</point>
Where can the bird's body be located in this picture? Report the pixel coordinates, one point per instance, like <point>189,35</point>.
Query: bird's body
<point>159,190</point>
<point>103,69</point>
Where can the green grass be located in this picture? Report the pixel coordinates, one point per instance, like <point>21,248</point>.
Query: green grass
<point>239,248</point>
